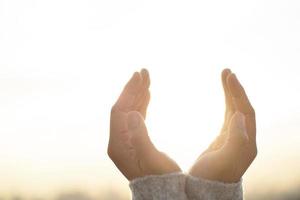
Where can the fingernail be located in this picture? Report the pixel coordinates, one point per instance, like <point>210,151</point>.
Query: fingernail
<point>133,120</point>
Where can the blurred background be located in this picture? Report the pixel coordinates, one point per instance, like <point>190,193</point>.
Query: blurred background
<point>63,63</point>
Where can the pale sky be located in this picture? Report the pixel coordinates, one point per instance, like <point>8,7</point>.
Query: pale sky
<point>63,63</point>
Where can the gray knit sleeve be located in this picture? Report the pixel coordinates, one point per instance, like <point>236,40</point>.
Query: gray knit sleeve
<point>159,187</point>
<point>201,189</point>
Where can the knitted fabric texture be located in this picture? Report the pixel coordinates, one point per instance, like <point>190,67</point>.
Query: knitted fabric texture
<point>178,186</point>
<point>197,188</point>
<point>159,187</point>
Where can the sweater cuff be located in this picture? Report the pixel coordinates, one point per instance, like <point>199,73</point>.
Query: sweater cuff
<point>198,188</point>
<point>157,187</point>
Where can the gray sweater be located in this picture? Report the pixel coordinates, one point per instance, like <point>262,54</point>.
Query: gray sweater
<point>178,186</point>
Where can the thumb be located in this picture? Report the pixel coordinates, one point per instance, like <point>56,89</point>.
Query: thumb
<point>237,135</point>
<point>139,134</point>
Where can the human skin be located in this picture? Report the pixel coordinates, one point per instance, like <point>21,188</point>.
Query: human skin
<point>233,151</point>
<point>130,147</point>
<point>227,158</point>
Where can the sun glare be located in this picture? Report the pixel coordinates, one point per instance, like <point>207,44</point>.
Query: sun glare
<point>64,63</point>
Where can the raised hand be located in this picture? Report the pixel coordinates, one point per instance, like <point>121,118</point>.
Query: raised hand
<point>232,152</point>
<point>130,147</point>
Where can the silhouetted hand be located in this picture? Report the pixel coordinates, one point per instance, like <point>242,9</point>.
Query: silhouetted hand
<point>232,152</point>
<point>130,147</point>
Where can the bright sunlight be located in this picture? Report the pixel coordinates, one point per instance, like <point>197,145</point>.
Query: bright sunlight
<point>64,63</point>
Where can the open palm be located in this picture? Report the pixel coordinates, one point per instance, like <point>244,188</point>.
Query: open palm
<point>130,147</point>
<point>232,152</point>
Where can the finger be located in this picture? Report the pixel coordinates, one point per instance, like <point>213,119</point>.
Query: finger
<point>144,104</point>
<point>143,98</point>
<point>240,99</point>
<point>242,104</point>
<point>139,135</point>
<point>220,139</point>
<point>146,78</point>
<point>228,100</point>
<point>129,93</point>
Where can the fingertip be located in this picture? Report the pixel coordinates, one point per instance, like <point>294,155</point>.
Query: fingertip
<point>146,77</point>
<point>134,83</point>
<point>231,77</point>
<point>136,78</point>
<point>226,72</point>
<point>144,71</point>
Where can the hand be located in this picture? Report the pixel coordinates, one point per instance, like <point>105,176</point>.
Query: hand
<point>130,147</point>
<point>232,152</point>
